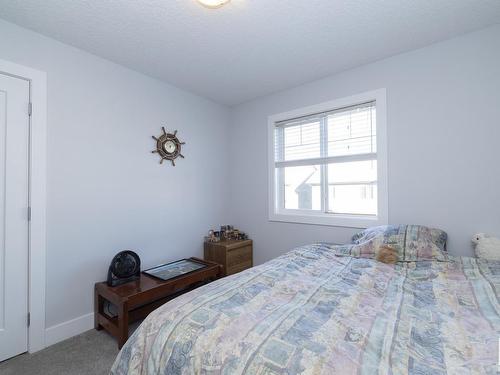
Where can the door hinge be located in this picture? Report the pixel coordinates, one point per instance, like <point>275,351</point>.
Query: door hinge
<point>30,109</point>
<point>29,213</point>
<point>29,319</point>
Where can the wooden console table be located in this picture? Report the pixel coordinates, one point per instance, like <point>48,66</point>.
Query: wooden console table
<point>136,299</point>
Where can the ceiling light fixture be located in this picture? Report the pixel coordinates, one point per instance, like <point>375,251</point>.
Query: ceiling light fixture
<point>213,4</point>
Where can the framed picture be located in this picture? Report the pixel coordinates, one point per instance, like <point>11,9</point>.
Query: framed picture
<point>175,269</point>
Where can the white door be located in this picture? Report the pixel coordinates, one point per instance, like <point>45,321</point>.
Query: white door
<point>14,138</point>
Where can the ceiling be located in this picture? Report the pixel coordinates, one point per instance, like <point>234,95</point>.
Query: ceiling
<point>248,48</point>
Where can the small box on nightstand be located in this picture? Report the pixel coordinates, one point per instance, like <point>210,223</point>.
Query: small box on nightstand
<point>234,255</point>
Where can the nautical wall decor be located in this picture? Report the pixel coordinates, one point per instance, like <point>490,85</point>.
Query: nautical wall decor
<point>168,146</point>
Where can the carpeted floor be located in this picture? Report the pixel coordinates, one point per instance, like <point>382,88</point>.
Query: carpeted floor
<point>91,353</point>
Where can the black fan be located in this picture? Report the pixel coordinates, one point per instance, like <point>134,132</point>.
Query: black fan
<point>125,267</point>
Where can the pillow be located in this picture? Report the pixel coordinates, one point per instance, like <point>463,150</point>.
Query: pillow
<point>397,243</point>
<point>419,232</point>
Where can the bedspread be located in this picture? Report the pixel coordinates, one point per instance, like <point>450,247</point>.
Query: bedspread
<point>311,312</point>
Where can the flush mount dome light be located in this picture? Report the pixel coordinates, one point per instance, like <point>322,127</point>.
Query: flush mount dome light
<point>213,3</point>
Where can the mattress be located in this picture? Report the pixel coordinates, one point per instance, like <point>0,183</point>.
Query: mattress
<point>313,312</point>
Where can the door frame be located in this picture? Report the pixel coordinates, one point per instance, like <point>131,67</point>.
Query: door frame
<point>37,178</point>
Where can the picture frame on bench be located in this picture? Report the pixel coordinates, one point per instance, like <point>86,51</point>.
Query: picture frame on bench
<point>175,269</point>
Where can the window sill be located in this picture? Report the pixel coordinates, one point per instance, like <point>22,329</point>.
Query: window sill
<point>333,220</point>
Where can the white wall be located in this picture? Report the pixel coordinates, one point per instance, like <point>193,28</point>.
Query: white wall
<point>106,191</point>
<point>443,106</point>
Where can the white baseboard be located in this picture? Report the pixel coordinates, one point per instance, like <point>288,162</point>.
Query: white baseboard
<point>65,330</point>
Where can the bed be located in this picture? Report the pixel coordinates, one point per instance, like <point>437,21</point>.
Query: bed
<point>324,309</point>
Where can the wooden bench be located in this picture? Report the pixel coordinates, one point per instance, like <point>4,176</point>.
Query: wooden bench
<point>136,299</point>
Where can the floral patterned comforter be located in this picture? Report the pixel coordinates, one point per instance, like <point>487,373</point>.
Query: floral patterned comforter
<point>311,312</point>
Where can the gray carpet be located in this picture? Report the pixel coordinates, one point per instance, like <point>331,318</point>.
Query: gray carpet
<point>92,352</point>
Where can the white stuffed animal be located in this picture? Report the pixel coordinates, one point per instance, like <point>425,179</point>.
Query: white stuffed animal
<point>486,247</point>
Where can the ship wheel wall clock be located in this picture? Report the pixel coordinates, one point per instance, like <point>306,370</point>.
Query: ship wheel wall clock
<point>168,146</point>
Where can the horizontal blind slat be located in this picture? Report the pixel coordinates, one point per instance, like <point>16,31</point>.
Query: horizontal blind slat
<point>326,160</point>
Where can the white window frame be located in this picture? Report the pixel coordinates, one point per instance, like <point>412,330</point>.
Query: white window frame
<point>277,213</point>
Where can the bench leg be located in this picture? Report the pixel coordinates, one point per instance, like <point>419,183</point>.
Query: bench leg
<point>122,324</point>
<point>98,309</point>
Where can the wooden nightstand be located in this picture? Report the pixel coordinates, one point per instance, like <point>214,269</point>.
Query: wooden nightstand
<point>234,256</point>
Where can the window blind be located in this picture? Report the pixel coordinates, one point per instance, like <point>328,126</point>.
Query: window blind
<point>346,134</point>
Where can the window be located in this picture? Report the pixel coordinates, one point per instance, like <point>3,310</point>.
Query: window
<point>328,163</point>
